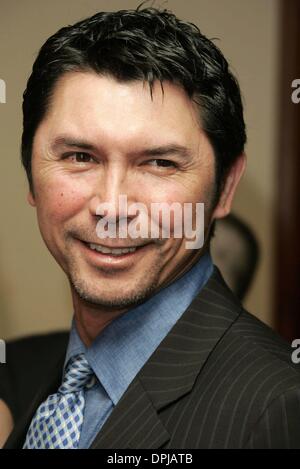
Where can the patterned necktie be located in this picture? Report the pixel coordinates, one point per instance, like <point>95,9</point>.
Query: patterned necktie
<point>58,421</point>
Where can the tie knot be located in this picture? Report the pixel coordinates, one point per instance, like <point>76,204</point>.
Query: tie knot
<point>78,375</point>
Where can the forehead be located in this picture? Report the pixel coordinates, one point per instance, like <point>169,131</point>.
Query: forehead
<point>97,106</point>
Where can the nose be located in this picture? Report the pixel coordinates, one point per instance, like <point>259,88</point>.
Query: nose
<point>112,193</point>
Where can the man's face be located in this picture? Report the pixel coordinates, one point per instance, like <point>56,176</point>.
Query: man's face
<point>149,149</point>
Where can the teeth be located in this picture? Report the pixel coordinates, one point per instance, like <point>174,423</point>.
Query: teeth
<point>114,252</point>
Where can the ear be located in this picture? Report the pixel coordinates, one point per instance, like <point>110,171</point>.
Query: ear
<point>31,199</point>
<point>232,179</point>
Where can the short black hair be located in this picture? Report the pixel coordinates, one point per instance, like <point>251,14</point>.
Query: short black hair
<point>145,44</point>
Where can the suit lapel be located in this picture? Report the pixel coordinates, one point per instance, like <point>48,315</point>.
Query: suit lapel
<point>171,371</point>
<point>134,423</point>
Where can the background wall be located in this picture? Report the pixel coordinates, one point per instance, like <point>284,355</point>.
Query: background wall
<point>34,295</point>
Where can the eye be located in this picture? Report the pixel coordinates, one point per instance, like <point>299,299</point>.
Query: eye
<point>163,163</point>
<point>79,157</point>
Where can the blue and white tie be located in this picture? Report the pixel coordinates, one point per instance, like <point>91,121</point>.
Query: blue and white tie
<point>58,421</point>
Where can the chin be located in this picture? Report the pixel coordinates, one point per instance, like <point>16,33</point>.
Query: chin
<point>114,300</point>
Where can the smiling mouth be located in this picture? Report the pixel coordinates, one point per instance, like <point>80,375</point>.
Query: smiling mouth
<point>111,251</point>
<point>119,251</point>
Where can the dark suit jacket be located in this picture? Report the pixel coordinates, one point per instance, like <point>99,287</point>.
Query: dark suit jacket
<point>220,379</point>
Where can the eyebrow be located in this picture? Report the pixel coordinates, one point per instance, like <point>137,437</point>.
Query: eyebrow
<point>165,150</point>
<point>62,141</point>
<point>155,151</point>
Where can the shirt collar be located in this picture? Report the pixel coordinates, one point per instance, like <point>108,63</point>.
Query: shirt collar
<point>124,346</point>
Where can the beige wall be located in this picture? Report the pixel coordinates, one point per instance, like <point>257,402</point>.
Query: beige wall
<point>34,294</point>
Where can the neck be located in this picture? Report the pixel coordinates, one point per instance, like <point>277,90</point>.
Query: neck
<point>91,319</point>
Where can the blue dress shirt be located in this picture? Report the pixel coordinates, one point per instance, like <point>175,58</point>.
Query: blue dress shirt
<point>125,345</point>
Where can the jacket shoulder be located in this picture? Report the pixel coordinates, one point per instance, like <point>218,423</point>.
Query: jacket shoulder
<point>263,341</point>
<point>249,385</point>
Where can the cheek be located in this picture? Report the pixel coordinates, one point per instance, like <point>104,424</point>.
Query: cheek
<point>59,199</point>
<point>192,192</point>
<point>196,190</point>
<point>169,197</point>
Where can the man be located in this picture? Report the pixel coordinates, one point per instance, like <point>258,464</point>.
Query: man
<point>139,105</point>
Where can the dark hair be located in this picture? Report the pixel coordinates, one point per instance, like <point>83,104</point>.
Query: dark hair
<point>144,44</point>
